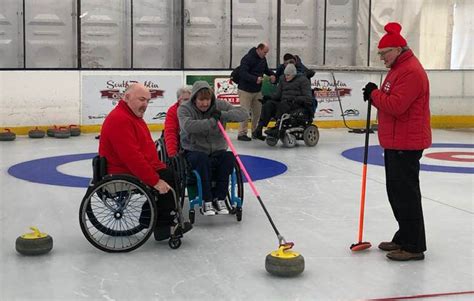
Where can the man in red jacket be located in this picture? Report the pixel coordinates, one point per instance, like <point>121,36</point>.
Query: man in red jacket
<point>404,132</point>
<point>171,130</point>
<point>126,143</point>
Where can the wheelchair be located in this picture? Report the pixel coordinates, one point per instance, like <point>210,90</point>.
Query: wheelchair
<point>118,212</point>
<point>190,185</point>
<point>296,125</point>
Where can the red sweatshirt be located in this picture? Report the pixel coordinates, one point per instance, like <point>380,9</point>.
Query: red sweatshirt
<point>403,106</point>
<point>126,143</point>
<point>172,130</point>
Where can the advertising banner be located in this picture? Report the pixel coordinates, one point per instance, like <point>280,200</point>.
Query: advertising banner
<point>100,94</point>
<point>343,87</point>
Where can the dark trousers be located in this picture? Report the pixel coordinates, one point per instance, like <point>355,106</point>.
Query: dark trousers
<point>214,167</point>
<point>165,202</point>
<point>276,109</point>
<point>402,169</point>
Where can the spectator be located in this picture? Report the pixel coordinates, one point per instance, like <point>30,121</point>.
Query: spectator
<point>293,93</point>
<point>252,68</point>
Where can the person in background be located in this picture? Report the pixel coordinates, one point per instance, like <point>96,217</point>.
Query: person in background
<point>204,145</point>
<point>252,68</point>
<point>289,58</point>
<point>171,130</point>
<point>293,93</point>
<point>404,132</point>
<point>126,143</point>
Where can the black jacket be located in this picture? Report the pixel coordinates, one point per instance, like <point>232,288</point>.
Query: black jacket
<point>298,91</point>
<point>251,67</point>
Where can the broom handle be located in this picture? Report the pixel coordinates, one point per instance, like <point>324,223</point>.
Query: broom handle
<point>254,189</point>
<point>364,172</point>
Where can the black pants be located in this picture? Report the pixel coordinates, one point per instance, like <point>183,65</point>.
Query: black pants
<point>165,203</point>
<point>214,167</point>
<point>276,109</point>
<point>402,169</point>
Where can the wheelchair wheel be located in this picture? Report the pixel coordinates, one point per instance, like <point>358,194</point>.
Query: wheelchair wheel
<point>239,190</point>
<point>311,135</point>
<point>118,214</point>
<point>271,141</point>
<point>289,140</point>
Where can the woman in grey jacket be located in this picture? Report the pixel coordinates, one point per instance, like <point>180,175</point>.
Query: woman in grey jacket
<point>204,146</point>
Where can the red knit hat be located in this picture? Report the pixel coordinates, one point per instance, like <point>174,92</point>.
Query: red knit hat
<point>392,38</point>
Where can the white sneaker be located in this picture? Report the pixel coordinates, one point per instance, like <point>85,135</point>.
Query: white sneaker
<point>221,207</point>
<point>208,209</point>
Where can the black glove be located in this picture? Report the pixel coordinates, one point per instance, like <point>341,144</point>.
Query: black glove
<point>368,90</point>
<point>216,114</point>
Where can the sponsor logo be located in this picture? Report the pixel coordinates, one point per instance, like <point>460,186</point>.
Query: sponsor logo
<point>351,112</point>
<point>160,115</point>
<point>114,91</point>
<point>328,112</point>
<point>100,116</point>
<point>226,89</point>
<point>325,91</point>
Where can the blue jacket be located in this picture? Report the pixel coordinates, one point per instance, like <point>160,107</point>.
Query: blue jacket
<point>251,67</point>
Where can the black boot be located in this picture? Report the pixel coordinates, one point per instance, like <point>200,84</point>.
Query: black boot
<point>257,134</point>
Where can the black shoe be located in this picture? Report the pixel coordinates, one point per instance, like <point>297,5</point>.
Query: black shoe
<point>272,132</point>
<point>162,232</point>
<point>244,138</point>
<point>257,134</point>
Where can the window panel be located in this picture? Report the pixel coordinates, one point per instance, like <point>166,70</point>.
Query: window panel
<point>11,34</point>
<point>156,34</point>
<point>341,32</point>
<point>206,34</point>
<point>302,30</point>
<point>50,34</point>
<point>105,34</point>
<point>254,22</point>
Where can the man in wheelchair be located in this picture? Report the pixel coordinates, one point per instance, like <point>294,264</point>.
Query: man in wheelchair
<point>204,146</point>
<point>126,143</point>
<point>293,95</point>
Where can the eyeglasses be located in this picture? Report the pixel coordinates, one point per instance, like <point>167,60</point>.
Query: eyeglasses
<point>383,53</point>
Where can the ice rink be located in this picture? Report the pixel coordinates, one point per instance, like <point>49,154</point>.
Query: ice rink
<point>314,203</point>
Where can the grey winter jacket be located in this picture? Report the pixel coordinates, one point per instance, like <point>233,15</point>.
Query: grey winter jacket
<point>198,130</point>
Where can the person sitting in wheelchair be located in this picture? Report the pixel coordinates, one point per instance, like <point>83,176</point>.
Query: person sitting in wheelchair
<point>171,130</point>
<point>293,95</point>
<point>204,146</point>
<point>126,143</point>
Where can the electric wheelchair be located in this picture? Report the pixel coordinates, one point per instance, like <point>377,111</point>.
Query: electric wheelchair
<point>190,186</point>
<point>293,126</point>
<point>118,212</point>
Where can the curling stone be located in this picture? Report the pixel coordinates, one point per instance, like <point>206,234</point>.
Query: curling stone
<point>284,262</point>
<point>62,133</point>
<point>36,133</point>
<point>75,130</point>
<point>34,243</point>
<point>7,135</point>
<point>50,132</point>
